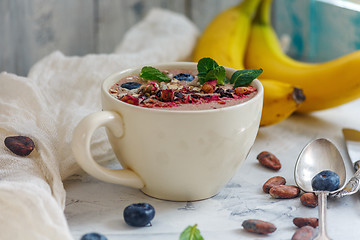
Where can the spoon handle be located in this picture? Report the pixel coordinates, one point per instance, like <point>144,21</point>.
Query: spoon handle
<point>322,200</point>
<point>351,187</point>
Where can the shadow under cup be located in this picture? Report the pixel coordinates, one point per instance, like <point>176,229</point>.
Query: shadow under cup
<point>169,154</point>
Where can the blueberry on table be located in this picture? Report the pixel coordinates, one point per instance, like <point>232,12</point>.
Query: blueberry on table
<point>184,77</point>
<point>131,85</point>
<point>325,181</point>
<point>139,214</point>
<point>93,236</point>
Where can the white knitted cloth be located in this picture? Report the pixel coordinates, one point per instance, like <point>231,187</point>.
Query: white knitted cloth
<point>46,106</point>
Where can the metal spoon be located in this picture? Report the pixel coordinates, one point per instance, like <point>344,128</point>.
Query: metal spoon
<point>320,154</point>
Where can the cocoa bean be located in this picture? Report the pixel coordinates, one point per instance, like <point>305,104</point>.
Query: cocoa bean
<point>301,222</point>
<point>274,181</point>
<point>284,191</point>
<point>258,226</point>
<point>269,160</point>
<point>304,233</point>
<point>20,145</point>
<point>309,200</point>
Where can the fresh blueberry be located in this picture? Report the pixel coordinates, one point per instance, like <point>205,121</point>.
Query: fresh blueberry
<point>184,77</point>
<point>325,181</point>
<point>93,236</point>
<point>131,85</point>
<point>139,214</point>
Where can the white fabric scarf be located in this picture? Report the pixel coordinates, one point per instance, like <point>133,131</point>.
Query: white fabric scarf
<point>46,106</point>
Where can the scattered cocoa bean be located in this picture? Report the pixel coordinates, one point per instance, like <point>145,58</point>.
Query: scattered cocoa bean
<point>269,160</point>
<point>284,191</point>
<point>304,233</point>
<point>301,222</point>
<point>20,145</point>
<point>309,199</point>
<point>258,226</point>
<point>274,181</point>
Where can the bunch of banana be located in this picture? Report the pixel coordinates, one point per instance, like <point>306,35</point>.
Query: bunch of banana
<point>325,85</point>
<point>225,40</point>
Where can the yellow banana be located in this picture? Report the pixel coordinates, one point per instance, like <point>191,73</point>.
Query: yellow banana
<point>325,85</point>
<point>225,38</point>
<point>280,101</point>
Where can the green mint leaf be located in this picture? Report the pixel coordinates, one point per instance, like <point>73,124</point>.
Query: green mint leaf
<point>151,73</point>
<point>202,77</point>
<point>244,77</point>
<point>208,70</point>
<point>218,73</point>
<point>226,80</point>
<point>191,233</point>
<point>206,64</point>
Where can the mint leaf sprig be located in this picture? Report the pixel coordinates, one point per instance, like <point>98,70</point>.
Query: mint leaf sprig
<point>151,73</point>
<point>209,69</point>
<point>191,233</point>
<point>244,77</point>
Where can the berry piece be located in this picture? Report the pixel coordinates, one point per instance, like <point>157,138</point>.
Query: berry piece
<point>139,214</point>
<point>93,236</point>
<point>184,77</point>
<point>325,181</point>
<point>131,85</point>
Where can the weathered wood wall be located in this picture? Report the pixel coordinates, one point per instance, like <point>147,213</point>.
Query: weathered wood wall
<point>30,29</point>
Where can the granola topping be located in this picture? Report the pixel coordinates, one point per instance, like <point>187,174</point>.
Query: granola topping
<point>179,94</point>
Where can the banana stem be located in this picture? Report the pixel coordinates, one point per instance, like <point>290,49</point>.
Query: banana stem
<point>249,6</point>
<point>263,14</point>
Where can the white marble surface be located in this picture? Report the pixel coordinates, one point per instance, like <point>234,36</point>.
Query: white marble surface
<point>96,206</point>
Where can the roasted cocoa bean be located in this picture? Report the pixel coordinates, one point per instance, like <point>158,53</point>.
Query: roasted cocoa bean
<point>301,222</point>
<point>269,160</point>
<point>258,226</point>
<point>20,145</point>
<point>309,200</point>
<point>304,233</point>
<point>274,181</point>
<point>284,191</point>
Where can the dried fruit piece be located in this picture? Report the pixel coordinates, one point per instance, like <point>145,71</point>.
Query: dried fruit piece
<point>274,181</point>
<point>304,233</point>
<point>258,226</point>
<point>301,222</point>
<point>309,200</point>
<point>130,99</point>
<point>167,95</point>
<point>20,145</point>
<point>284,191</point>
<point>269,160</point>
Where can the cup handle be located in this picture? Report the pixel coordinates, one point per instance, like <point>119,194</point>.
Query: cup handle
<point>81,149</point>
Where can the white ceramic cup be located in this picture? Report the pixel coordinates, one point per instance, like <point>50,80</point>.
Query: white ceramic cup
<point>171,155</point>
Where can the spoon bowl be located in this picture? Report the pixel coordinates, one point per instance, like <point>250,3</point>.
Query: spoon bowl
<point>318,155</point>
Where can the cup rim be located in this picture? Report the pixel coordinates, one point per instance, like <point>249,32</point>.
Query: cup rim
<point>114,77</point>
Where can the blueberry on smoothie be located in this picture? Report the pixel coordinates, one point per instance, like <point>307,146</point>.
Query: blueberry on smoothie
<point>325,181</point>
<point>131,85</point>
<point>184,77</point>
<point>93,236</point>
<point>139,214</point>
